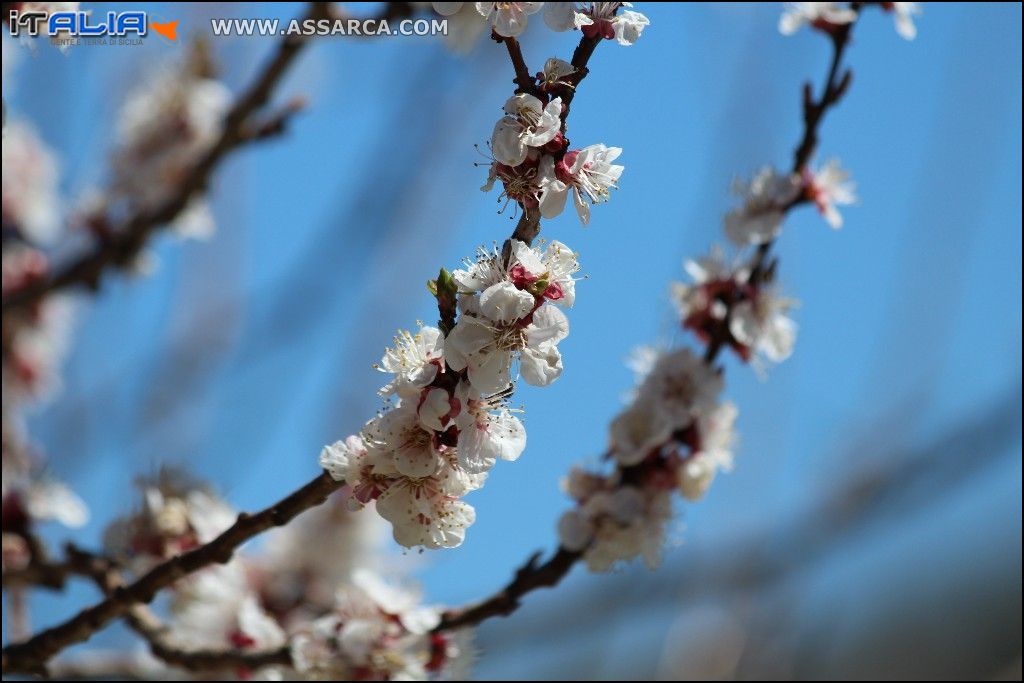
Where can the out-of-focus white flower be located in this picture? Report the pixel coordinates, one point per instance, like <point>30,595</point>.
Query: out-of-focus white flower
<point>903,14</point>
<point>761,323</point>
<point>765,199</point>
<point>679,387</point>
<point>178,513</point>
<point>377,631</point>
<point>588,174</point>
<point>597,19</point>
<point>508,18</point>
<point>36,343</point>
<point>528,124</point>
<point>164,128</point>
<point>617,525</point>
<point>828,187</point>
<point>306,560</point>
<point>217,609</point>
<point>824,16</point>
<point>31,203</point>
<point>30,498</point>
<point>716,439</point>
<point>465,25</point>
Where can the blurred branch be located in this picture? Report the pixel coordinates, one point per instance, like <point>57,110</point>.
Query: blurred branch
<point>32,655</point>
<point>124,242</point>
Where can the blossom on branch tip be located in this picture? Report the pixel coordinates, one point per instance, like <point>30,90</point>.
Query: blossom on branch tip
<point>508,19</point>
<point>164,128</point>
<point>823,16</point>
<point>588,174</point>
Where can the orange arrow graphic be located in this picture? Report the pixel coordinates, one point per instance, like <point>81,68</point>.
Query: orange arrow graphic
<point>168,30</point>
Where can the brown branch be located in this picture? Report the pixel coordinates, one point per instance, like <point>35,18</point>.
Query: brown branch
<point>127,240</point>
<point>524,80</point>
<point>31,656</point>
<point>108,577</point>
<point>529,577</point>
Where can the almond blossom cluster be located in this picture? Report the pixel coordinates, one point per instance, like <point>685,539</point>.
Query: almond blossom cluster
<point>531,156</point>
<point>315,591</point>
<point>164,127</point>
<point>677,433</point>
<point>450,420</point>
<point>510,19</point>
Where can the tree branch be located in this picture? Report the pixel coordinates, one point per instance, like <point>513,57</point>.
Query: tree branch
<point>31,656</point>
<point>127,240</point>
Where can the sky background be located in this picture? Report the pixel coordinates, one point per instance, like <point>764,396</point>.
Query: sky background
<point>242,356</point>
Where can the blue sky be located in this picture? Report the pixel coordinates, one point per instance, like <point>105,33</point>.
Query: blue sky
<point>242,356</point>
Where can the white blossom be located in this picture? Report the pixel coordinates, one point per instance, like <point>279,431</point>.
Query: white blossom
<point>495,331</point>
<point>761,323</point>
<point>376,631</point>
<point>679,387</point>
<point>765,200</point>
<point>426,511</point>
<point>617,525</point>
<point>824,16</point>
<point>903,14</point>
<point>487,431</point>
<point>465,25</point>
<point>596,19</point>
<point>716,435</point>
<point>30,177</point>
<point>164,128</point>
<point>508,18</point>
<point>177,514</point>
<point>588,174</point>
<point>414,360</point>
<point>30,497</point>
<point>528,124</point>
<point>546,274</point>
<point>828,187</point>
